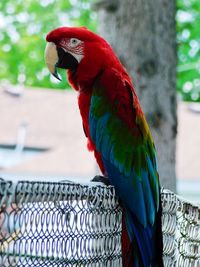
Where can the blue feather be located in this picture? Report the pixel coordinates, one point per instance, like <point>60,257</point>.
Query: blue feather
<point>131,168</point>
<point>128,190</point>
<point>149,199</point>
<point>136,219</point>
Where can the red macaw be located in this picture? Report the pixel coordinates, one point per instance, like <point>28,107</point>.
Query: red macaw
<point>117,132</point>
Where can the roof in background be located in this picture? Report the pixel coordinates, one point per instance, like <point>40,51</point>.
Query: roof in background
<point>53,122</point>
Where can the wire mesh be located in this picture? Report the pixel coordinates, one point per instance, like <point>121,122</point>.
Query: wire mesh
<point>71,224</point>
<point>181,231</point>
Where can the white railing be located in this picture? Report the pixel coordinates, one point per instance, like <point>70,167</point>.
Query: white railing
<point>71,224</point>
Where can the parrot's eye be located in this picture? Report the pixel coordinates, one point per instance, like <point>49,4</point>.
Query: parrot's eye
<point>74,42</point>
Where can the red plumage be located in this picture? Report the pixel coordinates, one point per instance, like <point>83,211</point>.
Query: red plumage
<point>83,80</point>
<point>99,51</point>
<point>101,69</point>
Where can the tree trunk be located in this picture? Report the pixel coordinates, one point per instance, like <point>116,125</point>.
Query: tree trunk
<point>143,34</point>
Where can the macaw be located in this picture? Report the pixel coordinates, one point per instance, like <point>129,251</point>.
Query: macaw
<point>117,133</point>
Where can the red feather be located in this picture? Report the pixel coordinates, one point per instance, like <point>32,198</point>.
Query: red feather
<point>101,66</point>
<point>98,57</point>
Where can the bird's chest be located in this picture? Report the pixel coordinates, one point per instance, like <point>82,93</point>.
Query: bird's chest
<point>84,100</point>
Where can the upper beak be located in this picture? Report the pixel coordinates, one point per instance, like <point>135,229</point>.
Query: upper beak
<point>51,59</point>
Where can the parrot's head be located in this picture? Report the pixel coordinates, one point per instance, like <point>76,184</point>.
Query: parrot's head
<point>79,50</point>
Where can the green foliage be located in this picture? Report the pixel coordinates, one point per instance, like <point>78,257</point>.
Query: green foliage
<point>188,38</point>
<point>23,27</point>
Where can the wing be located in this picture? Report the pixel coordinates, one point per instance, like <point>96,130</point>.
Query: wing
<point>122,138</point>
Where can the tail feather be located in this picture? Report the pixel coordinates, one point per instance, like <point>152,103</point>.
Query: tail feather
<point>130,252</point>
<point>144,246</point>
<point>159,236</point>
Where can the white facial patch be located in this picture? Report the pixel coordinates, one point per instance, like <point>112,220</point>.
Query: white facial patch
<point>73,46</point>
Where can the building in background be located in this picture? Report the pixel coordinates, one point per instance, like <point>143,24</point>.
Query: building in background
<point>49,123</point>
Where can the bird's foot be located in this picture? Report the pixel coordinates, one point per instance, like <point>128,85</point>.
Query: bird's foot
<point>101,179</point>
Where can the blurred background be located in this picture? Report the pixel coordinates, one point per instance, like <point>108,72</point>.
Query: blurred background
<point>41,134</point>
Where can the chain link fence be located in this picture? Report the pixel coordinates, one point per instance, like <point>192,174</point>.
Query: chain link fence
<point>70,224</point>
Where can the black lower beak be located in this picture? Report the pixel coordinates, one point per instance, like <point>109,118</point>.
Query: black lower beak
<point>65,60</point>
<point>56,75</point>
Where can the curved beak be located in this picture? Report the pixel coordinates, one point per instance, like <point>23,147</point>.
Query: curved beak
<point>57,57</point>
<point>51,59</point>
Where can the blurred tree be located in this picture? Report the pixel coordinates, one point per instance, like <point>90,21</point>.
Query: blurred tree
<point>144,38</point>
<point>188,38</point>
<point>23,27</point>
<point>24,24</point>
